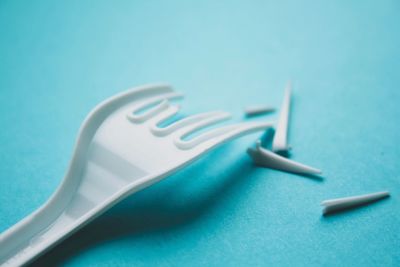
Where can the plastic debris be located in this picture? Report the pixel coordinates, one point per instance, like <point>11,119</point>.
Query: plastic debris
<point>269,159</point>
<point>339,204</point>
<point>279,143</point>
<point>251,111</point>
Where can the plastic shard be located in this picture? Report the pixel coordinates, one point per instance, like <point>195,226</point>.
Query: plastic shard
<point>251,111</point>
<point>279,143</point>
<point>339,204</point>
<point>269,159</point>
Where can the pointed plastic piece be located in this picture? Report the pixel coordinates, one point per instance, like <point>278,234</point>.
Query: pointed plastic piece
<point>279,143</point>
<point>251,111</point>
<point>269,159</point>
<point>338,204</point>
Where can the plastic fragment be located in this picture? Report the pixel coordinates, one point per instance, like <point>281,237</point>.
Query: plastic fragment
<point>269,159</point>
<point>251,111</point>
<point>279,143</point>
<point>338,204</point>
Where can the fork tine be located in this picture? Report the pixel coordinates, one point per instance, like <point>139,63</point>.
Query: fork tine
<point>163,105</point>
<point>223,134</point>
<point>139,118</point>
<point>157,98</point>
<point>192,123</point>
<point>98,114</point>
<point>165,115</point>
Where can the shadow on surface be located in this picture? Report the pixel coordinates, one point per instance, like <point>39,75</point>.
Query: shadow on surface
<point>163,207</point>
<point>315,177</point>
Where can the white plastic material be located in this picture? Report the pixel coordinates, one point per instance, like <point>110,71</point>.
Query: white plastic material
<point>251,111</point>
<point>118,152</point>
<point>269,159</point>
<point>279,143</point>
<point>338,204</point>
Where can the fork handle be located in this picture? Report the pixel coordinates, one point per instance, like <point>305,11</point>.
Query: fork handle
<point>43,229</point>
<point>27,240</point>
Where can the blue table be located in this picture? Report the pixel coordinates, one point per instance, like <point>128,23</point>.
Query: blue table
<point>58,60</point>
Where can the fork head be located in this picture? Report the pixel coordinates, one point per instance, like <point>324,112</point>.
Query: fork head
<point>134,136</point>
<point>120,149</point>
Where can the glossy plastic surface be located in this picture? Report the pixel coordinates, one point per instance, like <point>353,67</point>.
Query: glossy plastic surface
<point>116,154</point>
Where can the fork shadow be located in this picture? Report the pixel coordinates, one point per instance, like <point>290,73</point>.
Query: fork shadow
<point>163,207</point>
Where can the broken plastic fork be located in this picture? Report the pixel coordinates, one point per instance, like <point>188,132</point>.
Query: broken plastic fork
<point>118,152</point>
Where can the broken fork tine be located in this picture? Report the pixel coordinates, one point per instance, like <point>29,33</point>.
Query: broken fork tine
<point>279,143</point>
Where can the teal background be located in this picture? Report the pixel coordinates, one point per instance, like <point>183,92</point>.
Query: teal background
<point>58,59</point>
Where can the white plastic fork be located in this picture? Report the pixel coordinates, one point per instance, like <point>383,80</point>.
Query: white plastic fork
<point>118,152</point>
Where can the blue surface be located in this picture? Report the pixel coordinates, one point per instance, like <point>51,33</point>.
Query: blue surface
<point>58,60</point>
